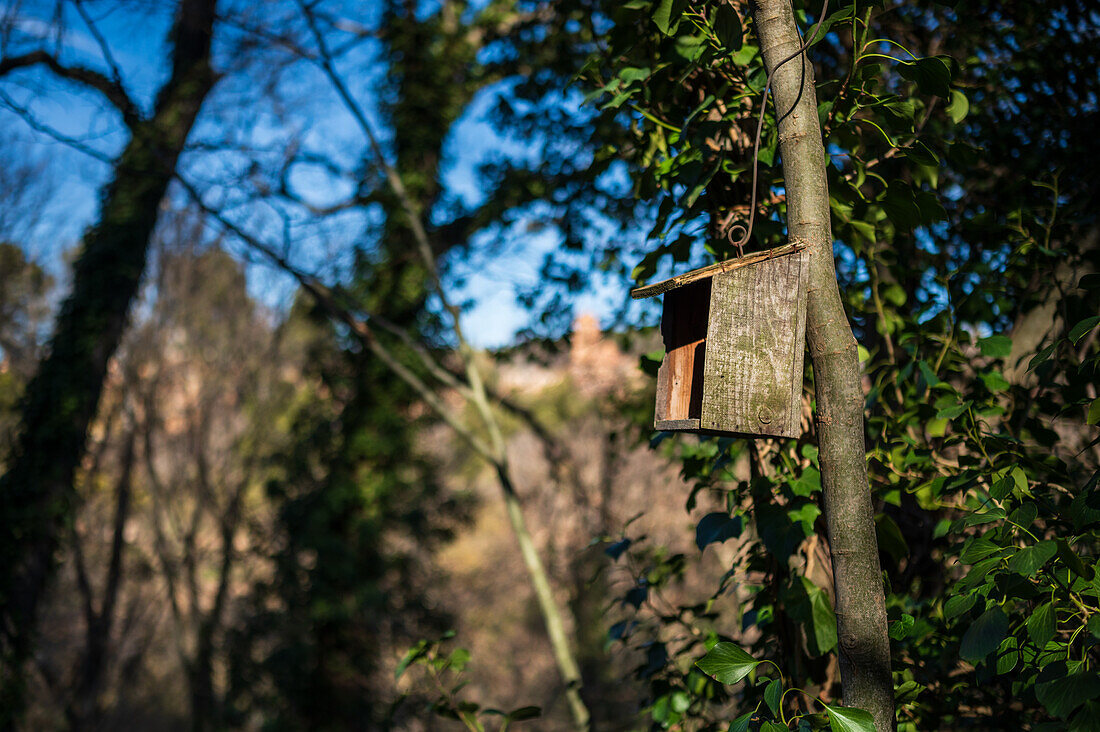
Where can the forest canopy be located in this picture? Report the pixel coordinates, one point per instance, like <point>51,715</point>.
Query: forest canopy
<point>324,403</point>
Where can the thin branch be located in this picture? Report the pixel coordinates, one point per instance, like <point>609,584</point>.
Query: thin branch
<point>108,57</point>
<point>34,124</point>
<point>111,90</point>
<point>325,297</point>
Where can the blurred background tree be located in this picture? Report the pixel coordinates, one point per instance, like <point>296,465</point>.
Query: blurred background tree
<point>265,517</point>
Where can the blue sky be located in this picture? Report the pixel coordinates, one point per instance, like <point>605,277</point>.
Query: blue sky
<point>136,40</point>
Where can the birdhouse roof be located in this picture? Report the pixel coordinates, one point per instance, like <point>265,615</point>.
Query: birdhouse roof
<point>709,271</point>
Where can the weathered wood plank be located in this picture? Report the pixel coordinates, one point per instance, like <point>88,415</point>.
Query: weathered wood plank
<point>677,425</point>
<point>756,342</point>
<point>680,378</point>
<point>703,273</point>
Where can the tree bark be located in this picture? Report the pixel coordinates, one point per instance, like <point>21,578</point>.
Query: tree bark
<point>864,642</point>
<point>36,493</point>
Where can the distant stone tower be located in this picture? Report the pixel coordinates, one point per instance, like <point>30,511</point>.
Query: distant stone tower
<point>596,365</point>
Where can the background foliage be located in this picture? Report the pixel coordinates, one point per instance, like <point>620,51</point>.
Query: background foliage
<point>285,516</point>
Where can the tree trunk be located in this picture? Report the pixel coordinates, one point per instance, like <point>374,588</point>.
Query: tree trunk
<point>860,602</point>
<point>36,493</point>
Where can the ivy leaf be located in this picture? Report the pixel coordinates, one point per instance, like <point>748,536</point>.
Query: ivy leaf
<point>900,629</point>
<point>727,663</point>
<point>850,719</point>
<point>715,528</point>
<point>773,694</point>
<point>1031,559</point>
<point>824,618</point>
<point>808,483</point>
<point>727,26</point>
<point>984,635</point>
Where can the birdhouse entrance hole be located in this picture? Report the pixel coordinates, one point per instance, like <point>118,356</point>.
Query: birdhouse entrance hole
<point>734,336</point>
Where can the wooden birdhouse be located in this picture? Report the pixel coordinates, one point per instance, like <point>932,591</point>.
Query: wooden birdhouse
<point>734,336</point>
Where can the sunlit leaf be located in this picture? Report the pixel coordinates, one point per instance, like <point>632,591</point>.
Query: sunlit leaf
<point>726,663</point>
<point>850,719</point>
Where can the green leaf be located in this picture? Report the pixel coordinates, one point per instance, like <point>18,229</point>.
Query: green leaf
<point>518,715</point>
<point>1094,412</point>
<point>900,205</point>
<point>808,483</point>
<point>726,663</point>
<point>927,373</point>
<point>976,549</point>
<point>631,74</point>
<point>895,294</point>
<point>890,538</point>
<point>921,154</point>
<point>458,659</point>
<point>414,653</point>
<point>994,381</point>
<point>715,528</point>
<point>984,635</point>
<point>850,719</point>
<point>1031,559</point>
<point>727,26</point>
<point>1062,696</point>
<point>829,22</point>
<point>954,411</point>
<point>1094,626</point>
<point>1071,560</point>
<point>667,16</point>
<point>958,107</point>
<point>1008,655</point>
<point>824,619</point>
<point>1082,328</point>
<point>997,346</point>
<point>931,74</point>
<point>1041,625</point>
<point>1020,480</point>
<point>741,724</point>
<point>958,605</point>
<point>899,629</point>
<point>773,694</point>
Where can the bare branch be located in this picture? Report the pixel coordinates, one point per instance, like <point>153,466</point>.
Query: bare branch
<point>325,297</point>
<point>108,57</point>
<point>110,89</point>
